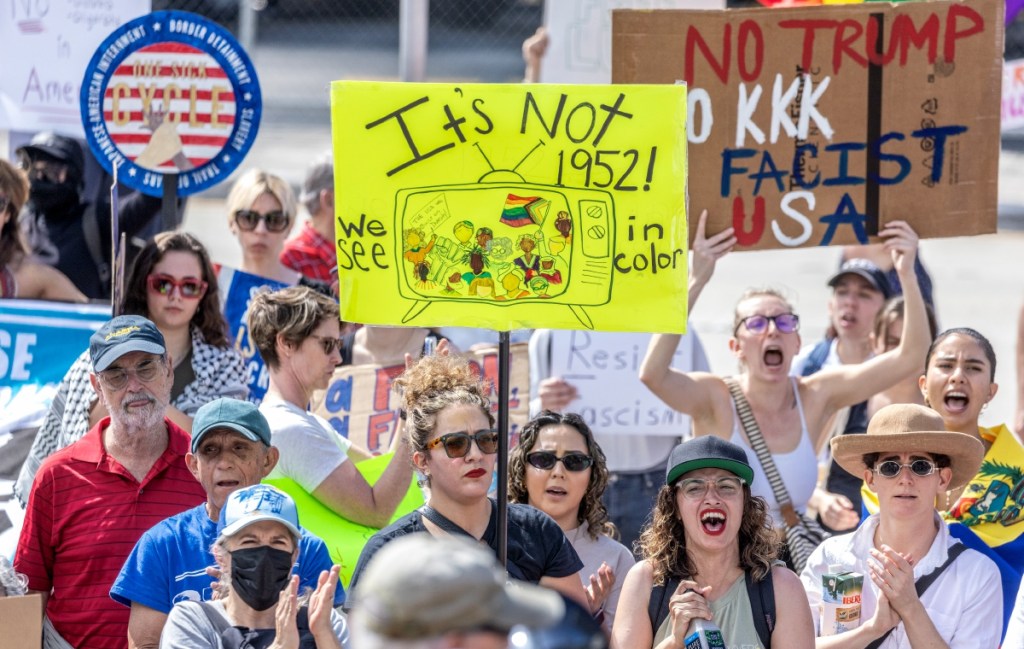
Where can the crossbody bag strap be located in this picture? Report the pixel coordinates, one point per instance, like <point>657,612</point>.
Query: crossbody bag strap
<point>442,521</point>
<point>764,456</point>
<point>922,584</point>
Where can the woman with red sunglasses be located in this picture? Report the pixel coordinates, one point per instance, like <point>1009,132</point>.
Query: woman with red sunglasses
<point>173,284</point>
<point>455,448</point>
<point>790,412</point>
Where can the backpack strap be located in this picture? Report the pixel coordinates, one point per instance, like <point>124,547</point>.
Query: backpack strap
<point>817,357</point>
<point>657,605</point>
<point>762,604</point>
<point>922,584</point>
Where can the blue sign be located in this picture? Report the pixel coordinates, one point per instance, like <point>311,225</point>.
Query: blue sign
<point>170,93</point>
<point>237,289</point>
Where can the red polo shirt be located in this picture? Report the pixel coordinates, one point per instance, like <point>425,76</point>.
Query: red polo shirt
<point>85,513</point>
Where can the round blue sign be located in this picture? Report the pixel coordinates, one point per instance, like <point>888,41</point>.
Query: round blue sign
<point>170,93</point>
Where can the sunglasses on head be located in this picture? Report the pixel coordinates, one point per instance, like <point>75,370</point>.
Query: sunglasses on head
<point>786,323</point>
<point>189,288</point>
<point>457,444</point>
<point>546,460</point>
<point>892,468</point>
<point>328,343</point>
<point>277,221</point>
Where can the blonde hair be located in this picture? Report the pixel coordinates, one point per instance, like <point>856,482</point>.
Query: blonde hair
<point>253,184</point>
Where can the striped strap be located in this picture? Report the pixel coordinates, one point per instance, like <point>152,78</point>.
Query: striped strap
<point>764,456</point>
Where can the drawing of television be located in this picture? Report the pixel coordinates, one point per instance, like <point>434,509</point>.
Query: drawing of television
<point>506,242</point>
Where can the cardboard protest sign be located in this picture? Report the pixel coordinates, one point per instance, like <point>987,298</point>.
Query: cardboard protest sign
<point>810,127</point>
<point>236,291</point>
<point>44,47</point>
<point>1013,95</point>
<point>511,206</point>
<point>360,404</point>
<point>170,93</point>
<point>580,36</point>
<point>604,367</point>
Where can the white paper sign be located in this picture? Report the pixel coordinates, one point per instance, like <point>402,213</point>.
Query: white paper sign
<point>580,36</point>
<point>1013,95</point>
<point>604,367</point>
<point>44,48</point>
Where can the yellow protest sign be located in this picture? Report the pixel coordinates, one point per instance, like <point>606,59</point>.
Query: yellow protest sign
<point>511,206</point>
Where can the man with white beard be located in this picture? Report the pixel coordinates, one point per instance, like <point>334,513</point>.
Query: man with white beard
<point>91,501</point>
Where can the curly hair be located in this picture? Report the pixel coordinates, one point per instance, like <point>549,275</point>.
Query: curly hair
<point>591,509</point>
<point>663,541</point>
<point>433,384</point>
<point>207,318</point>
<point>14,186</point>
<point>293,312</point>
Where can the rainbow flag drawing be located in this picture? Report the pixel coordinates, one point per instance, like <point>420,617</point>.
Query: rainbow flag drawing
<point>521,211</point>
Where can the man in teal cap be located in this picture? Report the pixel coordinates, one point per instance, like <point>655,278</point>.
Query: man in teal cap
<point>230,450</point>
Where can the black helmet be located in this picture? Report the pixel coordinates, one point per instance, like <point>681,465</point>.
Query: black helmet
<point>59,147</point>
<point>576,630</point>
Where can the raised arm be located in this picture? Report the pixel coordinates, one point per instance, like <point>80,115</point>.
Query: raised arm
<point>690,392</point>
<point>849,384</point>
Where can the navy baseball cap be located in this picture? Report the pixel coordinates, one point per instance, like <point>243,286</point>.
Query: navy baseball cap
<point>708,451</point>
<point>866,269</point>
<point>122,335</point>
<point>240,416</point>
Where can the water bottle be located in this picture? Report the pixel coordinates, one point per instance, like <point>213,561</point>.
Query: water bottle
<point>703,634</point>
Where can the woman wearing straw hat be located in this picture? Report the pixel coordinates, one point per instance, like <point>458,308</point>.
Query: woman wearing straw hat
<point>908,459</point>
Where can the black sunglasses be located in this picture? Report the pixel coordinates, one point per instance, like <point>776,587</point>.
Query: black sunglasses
<point>545,460</point>
<point>277,221</point>
<point>892,468</point>
<point>457,444</point>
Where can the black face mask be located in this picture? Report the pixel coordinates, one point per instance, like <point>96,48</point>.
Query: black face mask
<point>259,575</point>
<point>52,197</point>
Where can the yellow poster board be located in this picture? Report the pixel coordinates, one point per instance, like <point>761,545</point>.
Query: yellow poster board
<point>511,206</point>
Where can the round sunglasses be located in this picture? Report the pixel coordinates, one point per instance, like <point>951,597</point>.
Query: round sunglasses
<point>277,221</point>
<point>786,323</point>
<point>546,460</point>
<point>189,288</point>
<point>892,468</point>
<point>457,444</point>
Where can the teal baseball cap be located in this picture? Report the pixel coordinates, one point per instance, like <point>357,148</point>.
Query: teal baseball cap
<point>243,417</point>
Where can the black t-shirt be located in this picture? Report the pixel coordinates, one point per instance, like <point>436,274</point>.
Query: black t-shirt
<point>536,545</point>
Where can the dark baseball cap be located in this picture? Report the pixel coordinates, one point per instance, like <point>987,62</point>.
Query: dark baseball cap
<point>240,416</point>
<point>59,147</point>
<point>121,335</point>
<point>708,452</point>
<point>871,273</point>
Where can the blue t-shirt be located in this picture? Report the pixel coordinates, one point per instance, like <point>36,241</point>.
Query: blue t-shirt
<point>168,564</point>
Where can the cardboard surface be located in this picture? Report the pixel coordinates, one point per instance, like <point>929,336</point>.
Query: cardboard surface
<point>21,622</point>
<point>802,134</point>
<point>361,406</point>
